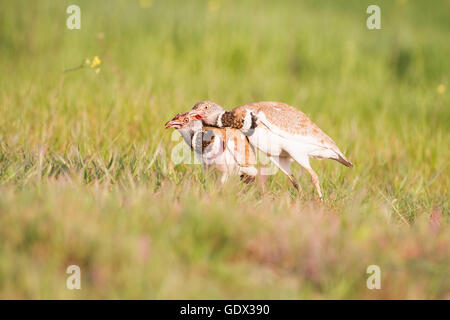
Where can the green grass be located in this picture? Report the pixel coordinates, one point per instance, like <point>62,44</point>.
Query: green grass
<point>86,176</point>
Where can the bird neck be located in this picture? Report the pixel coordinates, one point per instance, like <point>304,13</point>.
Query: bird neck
<point>226,120</point>
<point>246,122</point>
<point>196,126</point>
<point>197,142</point>
<point>187,135</point>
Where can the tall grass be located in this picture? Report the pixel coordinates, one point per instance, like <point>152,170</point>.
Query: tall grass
<point>86,175</point>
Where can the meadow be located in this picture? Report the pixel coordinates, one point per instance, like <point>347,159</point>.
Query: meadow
<point>86,175</point>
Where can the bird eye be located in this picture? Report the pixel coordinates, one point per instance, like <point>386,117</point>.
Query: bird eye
<point>206,107</point>
<point>186,120</point>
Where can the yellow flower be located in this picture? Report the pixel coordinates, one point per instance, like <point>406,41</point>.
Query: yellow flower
<point>441,89</point>
<point>95,62</point>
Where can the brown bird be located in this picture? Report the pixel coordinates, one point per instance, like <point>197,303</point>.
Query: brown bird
<point>227,149</point>
<point>279,130</point>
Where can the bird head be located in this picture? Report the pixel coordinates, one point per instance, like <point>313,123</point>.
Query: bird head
<point>207,111</point>
<point>180,120</point>
<point>184,121</point>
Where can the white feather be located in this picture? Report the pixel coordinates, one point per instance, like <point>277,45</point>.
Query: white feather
<point>219,119</point>
<point>247,122</point>
<point>272,140</point>
<point>282,133</point>
<point>214,150</point>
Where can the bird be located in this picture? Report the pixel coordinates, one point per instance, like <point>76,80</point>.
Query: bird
<point>227,149</point>
<point>281,131</point>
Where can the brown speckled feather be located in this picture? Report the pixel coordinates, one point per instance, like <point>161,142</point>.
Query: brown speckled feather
<point>286,118</point>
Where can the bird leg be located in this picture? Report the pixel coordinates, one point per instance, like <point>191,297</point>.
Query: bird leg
<point>247,179</point>
<point>283,163</point>
<point>295,183</point>
<point>315,181</point>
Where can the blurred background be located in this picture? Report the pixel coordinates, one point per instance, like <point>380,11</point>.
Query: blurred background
<point>86,176</point>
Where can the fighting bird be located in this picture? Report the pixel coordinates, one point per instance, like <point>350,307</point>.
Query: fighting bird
<point>227,149</point>
<point>282,132</point>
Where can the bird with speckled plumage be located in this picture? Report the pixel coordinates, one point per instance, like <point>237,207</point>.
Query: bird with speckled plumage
<point>282,132</point>
<point>228,150</point>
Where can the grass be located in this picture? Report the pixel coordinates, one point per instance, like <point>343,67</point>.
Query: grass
<point>86,175</point>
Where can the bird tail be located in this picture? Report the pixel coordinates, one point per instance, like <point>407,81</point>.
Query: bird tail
<point>331,153</point>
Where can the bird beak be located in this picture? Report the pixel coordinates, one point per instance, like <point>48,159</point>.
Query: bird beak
<point>196,115</point>
<point>173,124</point>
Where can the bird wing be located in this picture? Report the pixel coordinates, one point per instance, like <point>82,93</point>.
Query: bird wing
<point>309,139</point>
<point>326,148</point>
